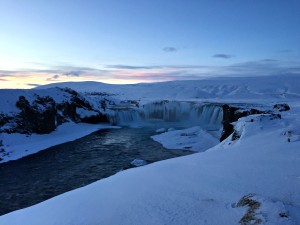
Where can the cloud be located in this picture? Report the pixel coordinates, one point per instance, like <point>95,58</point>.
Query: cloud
<point>269,60</point>
<point>130,67</point>
<point>1,79</point>
<point>222,56</point>
<point>54,77</point>
<point>73,68</point>
<point>159,76</point>
<point>33,85</point>
<point>260,67</point>
<point>284,51</point>
<point>170,49</point>
<point>6,73</point>
<point>73,73</point>
<point>144,67</point>
<point>148,73</point>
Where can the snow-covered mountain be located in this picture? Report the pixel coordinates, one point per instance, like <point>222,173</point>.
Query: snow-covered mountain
<point>225,88</point>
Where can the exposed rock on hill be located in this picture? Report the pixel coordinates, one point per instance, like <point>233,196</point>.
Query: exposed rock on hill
<point>42,114</point>
<point>232,113</point>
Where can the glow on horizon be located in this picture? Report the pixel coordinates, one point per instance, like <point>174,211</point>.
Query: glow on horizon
<point>28,80</point>
<point>60,41</point>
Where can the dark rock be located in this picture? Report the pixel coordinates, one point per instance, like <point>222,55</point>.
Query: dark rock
<point>81,103</point>
<point>103,104</point>
<point>228,117</point>
<point>43,115</point>
<point>22,103</point>
<point>229,113</point>
<point>70,91</point>
<point>4,119</point>
<point>235,136</point>
<point>232,114</point>
<point>69,110</point>
<point>60,119</point>
<point>40,117</point>
<point>282,107</point>
<point>227,130</point>
<point>283,215</point>
<point>100,118</point>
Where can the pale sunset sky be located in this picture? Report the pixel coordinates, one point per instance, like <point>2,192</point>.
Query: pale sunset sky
<point>131,41</point>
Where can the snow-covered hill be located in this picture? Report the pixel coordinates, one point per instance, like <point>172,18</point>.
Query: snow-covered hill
<point>226,88</point>
<point>33,120</point>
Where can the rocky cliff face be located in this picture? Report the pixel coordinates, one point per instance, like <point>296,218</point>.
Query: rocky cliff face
<point>232,113</point>
<point>42,114</point>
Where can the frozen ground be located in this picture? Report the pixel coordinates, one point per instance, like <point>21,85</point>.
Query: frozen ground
<point>203,188</point>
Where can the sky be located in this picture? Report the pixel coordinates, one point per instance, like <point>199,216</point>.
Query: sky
<point>131,41</point>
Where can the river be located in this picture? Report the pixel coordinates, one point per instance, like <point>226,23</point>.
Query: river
<point>71,165</point>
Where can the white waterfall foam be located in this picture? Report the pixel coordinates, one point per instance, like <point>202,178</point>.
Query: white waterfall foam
<point>207,115</point>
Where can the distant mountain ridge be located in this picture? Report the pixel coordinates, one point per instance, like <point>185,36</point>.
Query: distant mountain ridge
<point>242,88</point>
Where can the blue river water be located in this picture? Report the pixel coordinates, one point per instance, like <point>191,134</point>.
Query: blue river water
<point>71,165</point>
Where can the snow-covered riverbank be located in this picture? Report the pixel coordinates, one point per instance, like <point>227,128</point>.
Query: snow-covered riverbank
<point>20,145</point>
<point>203,188</point>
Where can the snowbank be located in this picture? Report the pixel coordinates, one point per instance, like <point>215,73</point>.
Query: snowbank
<point>211,187</point>
<point>195,139</point>
<point>20,145</point>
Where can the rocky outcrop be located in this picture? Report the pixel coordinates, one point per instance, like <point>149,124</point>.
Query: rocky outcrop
<point>228,118</point>
<point>4,119</point>
<point>282,107</point>
<point>38,117</point>
<point>233,113</point>
<point>42,115</point>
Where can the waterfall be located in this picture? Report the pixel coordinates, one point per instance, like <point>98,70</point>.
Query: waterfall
<point>126,117</point>
<point>171,111</point>
<point>211,116</point>
<point>207,115</point>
